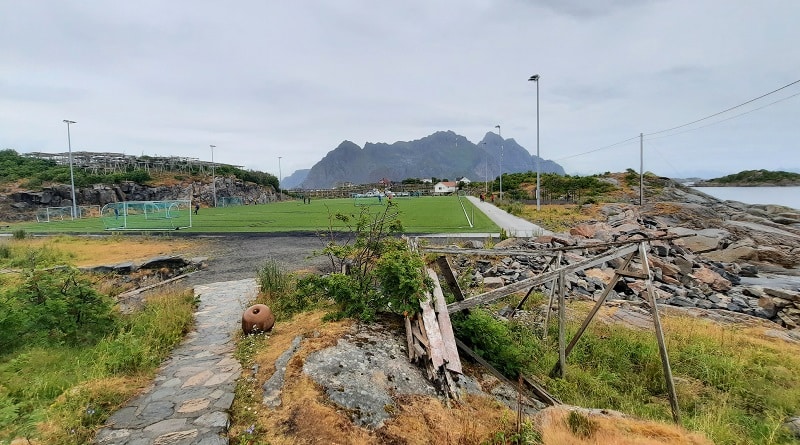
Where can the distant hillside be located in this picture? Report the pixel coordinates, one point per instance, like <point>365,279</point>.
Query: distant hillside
<point>754,178</point>
<point>443,154</point>
<point>295,179</point>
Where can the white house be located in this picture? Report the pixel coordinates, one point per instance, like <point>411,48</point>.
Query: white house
<point>465,180</point>
<point>445,187</point>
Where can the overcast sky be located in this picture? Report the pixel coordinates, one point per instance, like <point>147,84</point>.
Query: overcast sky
<point>267,79</point>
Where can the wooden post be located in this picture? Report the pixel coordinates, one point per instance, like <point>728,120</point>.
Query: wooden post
<point>593,312</point>
<point>546,268</point>
<point>550,299</point>
<point>562,322</point>
<point>450,277</point>
<point>662,348</point>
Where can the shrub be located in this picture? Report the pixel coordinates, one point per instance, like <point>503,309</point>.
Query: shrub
<point>19,234</point>
<point>56,304</point>
<point>378,272</point>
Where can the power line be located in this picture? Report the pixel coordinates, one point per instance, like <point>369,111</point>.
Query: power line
<point>598,149</point>
<point>724,111</point>
<point>694,122</point>
<point>726,119</point>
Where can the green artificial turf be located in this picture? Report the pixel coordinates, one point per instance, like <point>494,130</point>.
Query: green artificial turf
<point>428,214</point>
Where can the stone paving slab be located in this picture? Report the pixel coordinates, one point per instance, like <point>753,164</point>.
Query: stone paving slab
<point>188,402</point>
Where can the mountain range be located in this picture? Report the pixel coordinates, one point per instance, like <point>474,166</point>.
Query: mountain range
<point>443,154</point>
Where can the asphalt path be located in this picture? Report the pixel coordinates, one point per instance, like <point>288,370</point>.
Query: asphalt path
<point>513,225</point>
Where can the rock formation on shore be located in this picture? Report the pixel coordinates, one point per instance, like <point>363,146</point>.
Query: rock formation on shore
<point>720,262</point>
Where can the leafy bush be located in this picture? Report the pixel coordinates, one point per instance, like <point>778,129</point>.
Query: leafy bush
<point>54,305</point>
<point>378,273</point>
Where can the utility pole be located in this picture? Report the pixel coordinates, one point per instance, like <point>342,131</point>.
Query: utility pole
<point>213,175</point>
<point>641,169</point>
<point>500,133</point>
<point>71,175</point>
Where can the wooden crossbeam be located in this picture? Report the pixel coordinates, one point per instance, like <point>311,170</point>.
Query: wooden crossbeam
<point>496,294</point>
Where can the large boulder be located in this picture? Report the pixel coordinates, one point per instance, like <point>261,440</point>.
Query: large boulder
<point>712,279</point>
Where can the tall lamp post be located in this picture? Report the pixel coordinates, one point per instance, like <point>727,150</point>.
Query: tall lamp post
<point>501,160</point>
<point>213,175</point>
<point>535,78</point>
<point>71,175</point>
<point>280,175</point>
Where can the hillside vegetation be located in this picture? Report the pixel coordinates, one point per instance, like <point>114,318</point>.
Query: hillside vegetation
<point>33,173</point>
<point>755,178</point>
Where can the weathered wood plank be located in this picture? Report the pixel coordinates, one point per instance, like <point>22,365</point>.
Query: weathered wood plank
<point>431,327</point>
<point>466,349</point>
<point>420,336</point>
<point>540,392</point>
<point>505,252</point>
<point>450,277</point>
<point>450,352</point>
<point>496,294</point>
<point>409,339</point>
<point>662,347</point>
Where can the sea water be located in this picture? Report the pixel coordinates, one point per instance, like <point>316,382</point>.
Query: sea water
<point>785,196</point>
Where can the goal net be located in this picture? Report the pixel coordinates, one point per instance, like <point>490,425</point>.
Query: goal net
<point>52,214</point>
<point>229,201</point>
<point>147,215</point>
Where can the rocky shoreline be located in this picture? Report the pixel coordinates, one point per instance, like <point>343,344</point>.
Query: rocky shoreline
<point>704,253</point>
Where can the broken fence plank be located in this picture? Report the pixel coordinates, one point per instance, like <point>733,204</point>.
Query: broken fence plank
<point>450,350</point>
<point>450,277</point>
<point>433,333</point>
<point>409,339</point>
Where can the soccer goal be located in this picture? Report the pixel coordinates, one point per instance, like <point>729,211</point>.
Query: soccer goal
<point>52,214</point>
<point>360,200</point>
<point>147,215</point>
<point>230,201</point>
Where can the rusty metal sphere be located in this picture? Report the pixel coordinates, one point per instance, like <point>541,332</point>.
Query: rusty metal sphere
<point>257,318</point>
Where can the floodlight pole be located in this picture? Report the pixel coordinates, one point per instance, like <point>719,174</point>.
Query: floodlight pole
<point>535,78</point>
<point>280,175</point>
<point>213,176</point>
<point>486,173</point>
<point>501,160</point>
<point>71,175</point>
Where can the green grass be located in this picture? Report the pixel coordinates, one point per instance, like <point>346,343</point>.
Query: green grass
<point>733,384</point>
<point>429,214</point>
<point>61,394</point>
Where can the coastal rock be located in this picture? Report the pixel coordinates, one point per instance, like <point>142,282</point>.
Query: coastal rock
<point>712,279</point>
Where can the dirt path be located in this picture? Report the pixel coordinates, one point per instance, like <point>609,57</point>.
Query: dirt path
<point>236,257</point>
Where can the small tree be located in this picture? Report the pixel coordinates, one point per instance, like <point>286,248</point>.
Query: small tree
<point>375,271</point>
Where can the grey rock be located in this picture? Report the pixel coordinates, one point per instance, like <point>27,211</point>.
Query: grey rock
<point>273,386</point>
<point>793,425</point>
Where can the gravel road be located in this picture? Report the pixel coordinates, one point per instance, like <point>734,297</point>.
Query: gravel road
<point>238,256</point>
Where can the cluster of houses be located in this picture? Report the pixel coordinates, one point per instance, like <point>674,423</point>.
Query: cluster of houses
<point>445,187</point>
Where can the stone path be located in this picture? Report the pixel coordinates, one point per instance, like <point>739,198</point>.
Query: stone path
<point>188,402</point>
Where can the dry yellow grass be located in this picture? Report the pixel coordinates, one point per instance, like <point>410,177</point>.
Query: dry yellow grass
<point>306,416</point>
<point>559,218</point>
<point>611,429</point>
<point>93,251</point>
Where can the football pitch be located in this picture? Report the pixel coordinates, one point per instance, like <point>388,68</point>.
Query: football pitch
<point>428,214</point>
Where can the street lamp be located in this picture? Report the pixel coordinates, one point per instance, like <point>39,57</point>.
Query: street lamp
<point>501,160</point>
<point>71,175</point>
<point>280,175</point>
<point>535,78</point>
<point>213,175</point>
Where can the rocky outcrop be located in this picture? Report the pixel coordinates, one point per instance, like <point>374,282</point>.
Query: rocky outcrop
<point>715,245</point>
<point>25,202</point>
